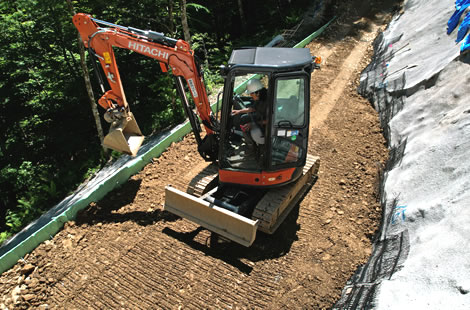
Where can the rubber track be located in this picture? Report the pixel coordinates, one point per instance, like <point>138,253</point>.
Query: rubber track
<point>278,202</point>
<point>198,183</point>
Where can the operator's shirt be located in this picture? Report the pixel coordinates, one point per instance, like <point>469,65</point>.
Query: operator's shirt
<point>260,110</point>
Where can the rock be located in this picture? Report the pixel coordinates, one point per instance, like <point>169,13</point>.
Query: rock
<point>15,294</point>
<point>33,283</point>
<point>8,301</point>
<point>464,288</point>
<point>20,280</point>
<point>67,244</point>
<point>27,269</point>
<point>28,297</point>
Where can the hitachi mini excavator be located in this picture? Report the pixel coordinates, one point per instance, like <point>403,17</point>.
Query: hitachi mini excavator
<point>262,167</point>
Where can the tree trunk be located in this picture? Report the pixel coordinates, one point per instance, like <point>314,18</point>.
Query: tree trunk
<point>184,22</point>
<point>170,18</point>
<point>279,9</point>
<point>86,76</point>
<point>242,16</point>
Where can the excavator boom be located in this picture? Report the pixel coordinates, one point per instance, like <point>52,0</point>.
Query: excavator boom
<point>100,37</point>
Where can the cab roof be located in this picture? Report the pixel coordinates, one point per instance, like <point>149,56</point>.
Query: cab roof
<point>275,57</point>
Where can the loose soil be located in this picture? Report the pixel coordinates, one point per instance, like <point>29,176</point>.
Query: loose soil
<point>125,252</point>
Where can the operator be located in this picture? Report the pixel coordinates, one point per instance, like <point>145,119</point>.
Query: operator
<point>253,118</point>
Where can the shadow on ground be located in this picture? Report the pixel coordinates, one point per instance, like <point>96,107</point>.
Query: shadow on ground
<point>103,211</point>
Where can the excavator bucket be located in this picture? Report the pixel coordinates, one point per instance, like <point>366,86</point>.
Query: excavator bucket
<point>124,136</point>
<point>219,220</point>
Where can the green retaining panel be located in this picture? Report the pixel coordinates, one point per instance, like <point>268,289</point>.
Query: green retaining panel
<point>308,39</point>
<point>131,166</point>
<point>97,192</point>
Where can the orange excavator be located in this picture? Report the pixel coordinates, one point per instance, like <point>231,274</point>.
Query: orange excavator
<point>258,143</point>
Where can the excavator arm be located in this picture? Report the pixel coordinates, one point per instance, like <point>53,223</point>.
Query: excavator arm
<point>100,37</point>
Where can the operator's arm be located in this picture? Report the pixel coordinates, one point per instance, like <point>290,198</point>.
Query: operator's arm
<point>243,111</point>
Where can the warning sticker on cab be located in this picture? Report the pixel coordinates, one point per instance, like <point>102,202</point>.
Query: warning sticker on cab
<point>290,133</point>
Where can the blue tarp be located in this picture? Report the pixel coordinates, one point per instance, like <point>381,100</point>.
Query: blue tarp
<point>460,7</point>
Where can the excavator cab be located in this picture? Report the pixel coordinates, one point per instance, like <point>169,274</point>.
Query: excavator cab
<point>274,143</point>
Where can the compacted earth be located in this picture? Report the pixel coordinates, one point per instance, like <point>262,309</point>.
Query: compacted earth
<point>126,252</point>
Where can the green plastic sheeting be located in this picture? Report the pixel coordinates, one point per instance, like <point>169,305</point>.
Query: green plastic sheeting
<point>122,174</point>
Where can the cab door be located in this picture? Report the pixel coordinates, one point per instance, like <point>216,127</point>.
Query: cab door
<point>289,121</point>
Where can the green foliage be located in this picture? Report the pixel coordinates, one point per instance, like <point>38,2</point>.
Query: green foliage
<point>35,186</point>
<point>207,49</point>
<point>198,7</point>
<point>4,235</point>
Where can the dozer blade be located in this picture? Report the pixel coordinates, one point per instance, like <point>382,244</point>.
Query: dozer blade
<point>124,136</point>
<point>221,221</point>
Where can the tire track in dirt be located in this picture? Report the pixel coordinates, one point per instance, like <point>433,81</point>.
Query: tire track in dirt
<point>320,110</point>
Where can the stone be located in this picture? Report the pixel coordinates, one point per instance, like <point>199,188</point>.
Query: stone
<point>27,269</point>
<point>20,280</point>
<point>33,283</point>
<point>28,297</point>
<point>15,294</point>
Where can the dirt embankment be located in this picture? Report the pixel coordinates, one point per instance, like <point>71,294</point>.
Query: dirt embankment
<point>125,252</point>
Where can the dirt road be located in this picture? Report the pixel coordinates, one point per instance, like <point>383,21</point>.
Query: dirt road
<point>125,252</point>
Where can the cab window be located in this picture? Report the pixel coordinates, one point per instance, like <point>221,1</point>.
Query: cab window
<point>289,127</point>
<point>289,103</point>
